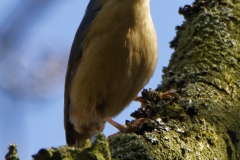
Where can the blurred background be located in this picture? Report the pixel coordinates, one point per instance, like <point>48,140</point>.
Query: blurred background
<point>35,40</point>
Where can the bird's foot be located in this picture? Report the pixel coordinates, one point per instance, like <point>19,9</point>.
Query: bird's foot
<point>130,127</point>
<point>169,95</point>
<point>166,95</point>
<point>133,126</point>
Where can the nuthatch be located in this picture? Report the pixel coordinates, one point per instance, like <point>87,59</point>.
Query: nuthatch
<point>113,55</point>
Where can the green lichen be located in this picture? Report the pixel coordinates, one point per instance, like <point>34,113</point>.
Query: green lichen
<point>12,152</point>
<point>99,150</point>
<point>206,71</point>
<point>130,146</point>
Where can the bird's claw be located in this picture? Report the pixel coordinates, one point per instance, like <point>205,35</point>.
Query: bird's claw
<point>169,95</point>
<point>166,95</point>
<point>130,127</point>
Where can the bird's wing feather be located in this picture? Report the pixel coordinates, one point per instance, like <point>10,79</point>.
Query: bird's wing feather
<point>74,59</point>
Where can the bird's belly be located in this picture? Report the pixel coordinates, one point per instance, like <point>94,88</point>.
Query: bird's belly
<point>112,70</point>
<point>105,87</point>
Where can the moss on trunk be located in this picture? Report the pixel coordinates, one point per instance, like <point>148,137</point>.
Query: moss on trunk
<point>205,71</point>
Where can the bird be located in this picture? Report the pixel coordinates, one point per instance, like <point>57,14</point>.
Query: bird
<point>113,55</point>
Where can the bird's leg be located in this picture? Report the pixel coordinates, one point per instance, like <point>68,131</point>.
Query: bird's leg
<point>132,127</point>
<point>134,124</point>
<point>121,128</point>
<point>139,99</point>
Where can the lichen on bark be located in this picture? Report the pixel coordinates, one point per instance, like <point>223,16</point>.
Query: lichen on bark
<point>98,150</point>
<point>12,152</point>
<point>205,71</point>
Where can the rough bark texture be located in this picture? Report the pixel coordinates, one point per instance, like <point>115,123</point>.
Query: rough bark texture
<point>99,150</point>
<point>205,71</point>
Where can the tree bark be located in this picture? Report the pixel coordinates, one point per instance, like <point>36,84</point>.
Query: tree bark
<point>205,71</point>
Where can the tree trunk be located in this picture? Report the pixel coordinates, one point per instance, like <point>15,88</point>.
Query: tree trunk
<point>205,71</point>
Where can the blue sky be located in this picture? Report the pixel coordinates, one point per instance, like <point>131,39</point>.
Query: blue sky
<point>35,124</point>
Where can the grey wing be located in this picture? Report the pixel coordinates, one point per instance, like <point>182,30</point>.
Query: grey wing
<point>74,59</point>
